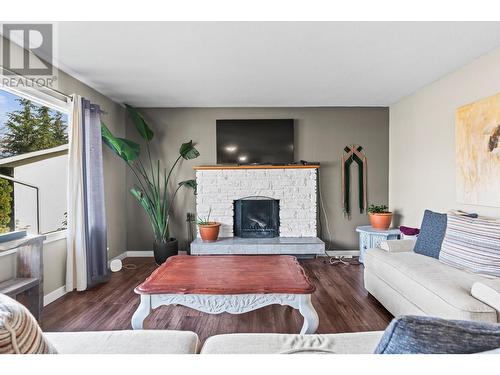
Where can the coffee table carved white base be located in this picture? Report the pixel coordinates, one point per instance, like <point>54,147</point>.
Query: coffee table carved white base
<point>232,303</point>
<point>228,283</point>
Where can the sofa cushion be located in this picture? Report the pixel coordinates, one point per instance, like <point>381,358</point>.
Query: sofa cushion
<point>472,244</point>
<point>431,234</point>
<point>124,342</point>
<point>433,287</point>
<point>426,335</point>
<point>274,343</point>
<point>390,298</point>
<point>19,330</point>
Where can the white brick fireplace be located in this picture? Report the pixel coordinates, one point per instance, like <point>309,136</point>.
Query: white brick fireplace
<point>294,186</point>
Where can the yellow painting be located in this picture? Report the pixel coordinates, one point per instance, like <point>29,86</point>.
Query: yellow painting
<point>477,129</point>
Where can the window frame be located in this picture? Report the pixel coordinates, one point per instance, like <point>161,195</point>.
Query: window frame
<point>61,104</point>
<point>53,101</point>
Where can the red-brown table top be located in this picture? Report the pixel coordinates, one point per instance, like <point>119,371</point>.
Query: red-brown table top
<point>228,274</point>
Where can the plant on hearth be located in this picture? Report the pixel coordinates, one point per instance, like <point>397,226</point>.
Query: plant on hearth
<point>380,216</point>
<point>204,220</point>
<point>152,181</point>
<point>209,230</point>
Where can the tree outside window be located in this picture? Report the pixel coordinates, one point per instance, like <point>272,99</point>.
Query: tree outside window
<point>26,128</point>
<point>32,128</point>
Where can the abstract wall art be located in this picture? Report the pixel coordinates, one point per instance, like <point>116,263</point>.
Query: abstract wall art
<point>477,131</point>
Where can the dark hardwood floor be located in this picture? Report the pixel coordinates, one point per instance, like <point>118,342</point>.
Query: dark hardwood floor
<point>340,299</point>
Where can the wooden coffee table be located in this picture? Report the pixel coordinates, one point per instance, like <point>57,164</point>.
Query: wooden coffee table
<point>228,283</point>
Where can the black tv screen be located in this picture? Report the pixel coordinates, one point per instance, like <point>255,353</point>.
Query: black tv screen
<point>255,141</point>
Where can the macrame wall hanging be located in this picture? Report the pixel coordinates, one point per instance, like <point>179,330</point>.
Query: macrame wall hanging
<point>353,154</point>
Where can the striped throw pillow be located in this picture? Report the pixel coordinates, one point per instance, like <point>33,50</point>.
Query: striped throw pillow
<point>19,331</point>
<point>472,244</point>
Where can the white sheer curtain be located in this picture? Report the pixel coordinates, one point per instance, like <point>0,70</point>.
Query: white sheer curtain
<point>87,257</point>
<point>76,262</point>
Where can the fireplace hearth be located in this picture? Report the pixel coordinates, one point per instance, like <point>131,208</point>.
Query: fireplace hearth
<point>256,217</point>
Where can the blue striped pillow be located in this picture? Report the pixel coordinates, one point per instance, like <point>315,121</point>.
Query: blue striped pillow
<point>472,244</point>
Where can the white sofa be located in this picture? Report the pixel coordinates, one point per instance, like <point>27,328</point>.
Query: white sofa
<point>273,343</point>
<point>407,283</point>
<point>124,342</point>
<point>20,333</point>
<point>184,342</point>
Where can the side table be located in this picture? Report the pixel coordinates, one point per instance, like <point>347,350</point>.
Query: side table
<point>371,238</point>
<point>27,282</point>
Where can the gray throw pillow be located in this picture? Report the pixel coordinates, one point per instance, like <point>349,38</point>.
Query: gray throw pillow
<point>431,234</point>
<point>427,335</point>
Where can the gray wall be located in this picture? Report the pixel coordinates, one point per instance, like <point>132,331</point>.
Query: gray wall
<point>422,140</point>
<point>321,134</point>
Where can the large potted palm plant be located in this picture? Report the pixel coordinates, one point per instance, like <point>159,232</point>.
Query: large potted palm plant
<point>152,187</point>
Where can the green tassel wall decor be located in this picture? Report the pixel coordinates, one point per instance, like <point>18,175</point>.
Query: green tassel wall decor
<point>353,154</point>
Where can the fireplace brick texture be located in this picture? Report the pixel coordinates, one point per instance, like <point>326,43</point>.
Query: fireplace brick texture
<point>295,189</point>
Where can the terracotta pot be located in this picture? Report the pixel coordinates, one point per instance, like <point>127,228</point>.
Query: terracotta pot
<point>381,221</point>
<point>163,250</point>
<point>209,232</point>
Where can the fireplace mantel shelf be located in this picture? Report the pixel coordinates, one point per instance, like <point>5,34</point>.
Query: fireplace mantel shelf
<point>217,167</point>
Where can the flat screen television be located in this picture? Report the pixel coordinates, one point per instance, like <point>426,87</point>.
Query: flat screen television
<point>255,141</point>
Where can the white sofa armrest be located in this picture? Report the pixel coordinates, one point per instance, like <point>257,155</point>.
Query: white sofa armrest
<point>398,246</point>
<point>487,291</point>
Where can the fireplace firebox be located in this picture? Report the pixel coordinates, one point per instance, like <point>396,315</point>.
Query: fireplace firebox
<point>256,217</point>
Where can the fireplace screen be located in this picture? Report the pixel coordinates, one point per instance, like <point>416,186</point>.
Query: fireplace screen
<point>256,217</point>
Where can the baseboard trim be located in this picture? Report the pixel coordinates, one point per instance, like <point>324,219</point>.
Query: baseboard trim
<point>342,253</point>
<point>133,254</point>
<point>52,296</point>
<point>139,254</point>
<point>119,256</point>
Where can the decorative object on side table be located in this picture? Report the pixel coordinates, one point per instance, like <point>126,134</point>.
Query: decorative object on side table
<point>370,238</point>
<point>152,189</point>
<point>209,230</point>
<point>409,233</point>
<point>380,217</point>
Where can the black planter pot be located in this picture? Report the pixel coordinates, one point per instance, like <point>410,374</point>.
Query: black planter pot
<point>163,250</point>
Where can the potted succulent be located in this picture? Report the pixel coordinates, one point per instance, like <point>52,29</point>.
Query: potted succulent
<point>209,230</point>
<point>153,184</point>
<point>380,217</point>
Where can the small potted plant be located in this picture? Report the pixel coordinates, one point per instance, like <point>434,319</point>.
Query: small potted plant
<point>209,230</point>
<point>380,217</point>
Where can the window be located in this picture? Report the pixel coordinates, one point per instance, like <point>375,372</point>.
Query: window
<point>33,150</point>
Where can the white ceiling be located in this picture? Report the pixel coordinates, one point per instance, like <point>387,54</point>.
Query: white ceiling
<point>216,64</point>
